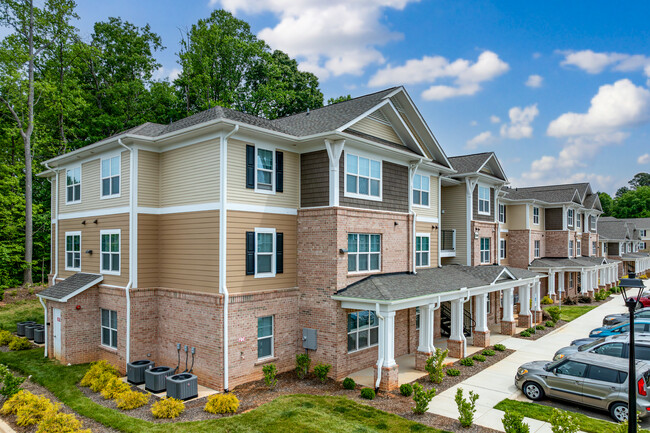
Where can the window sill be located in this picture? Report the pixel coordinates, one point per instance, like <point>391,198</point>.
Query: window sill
<point>108,348</point>
<point>105,197</point>
<point>264,275</point>
<point>265,191</point>
<point>484,213</point>
<point>109,273</point>
<point>361,350</point>
<point>362,196</point>
<point>267,360</point>
<point>363,273</point>
<point>421,206</point>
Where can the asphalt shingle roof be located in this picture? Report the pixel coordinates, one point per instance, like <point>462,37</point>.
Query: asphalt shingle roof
<point>60,291</point>
<point>613,230</point>
<point>640,223</point>
<point>577,262</point>
<point>547,194</point>
<point>469,163</point>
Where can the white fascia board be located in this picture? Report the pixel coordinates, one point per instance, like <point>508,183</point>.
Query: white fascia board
<point>404,127</point>
<point>96,281</point>
<point>363,115</point>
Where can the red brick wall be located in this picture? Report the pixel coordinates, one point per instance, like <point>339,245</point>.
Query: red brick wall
<point>587,240</point>
<point>518,248</point>
<point>537,235</point>
<point>557,243</point>
<point>486,230</point>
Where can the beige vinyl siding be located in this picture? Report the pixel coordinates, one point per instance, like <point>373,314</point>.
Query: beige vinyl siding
<point>148,179</point>
<point>148,264</point>
<point>188,251</point>
<point>91,187</point>
<point>517,216</point>
<point>505,226</point>
<point>416,135</point>
<point>90,240</point>
<point>237,191</point>
<point>454,203</point>
<point>241,222</point>
<point>190,174</point>
<point>421,227</point>
<point>432,210</point>
<point>542,214</point>
<point>376,129</point>
<point>53,198</point>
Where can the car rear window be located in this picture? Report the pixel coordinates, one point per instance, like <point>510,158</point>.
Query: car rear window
<point>642,352</point>
<point>603,374</point>
<point>610,349</point>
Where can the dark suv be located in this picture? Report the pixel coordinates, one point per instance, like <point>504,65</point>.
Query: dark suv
<point>613,319</point>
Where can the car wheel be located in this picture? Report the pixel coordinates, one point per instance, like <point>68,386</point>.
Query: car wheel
<point>533,391</point>
<point>619,412</point>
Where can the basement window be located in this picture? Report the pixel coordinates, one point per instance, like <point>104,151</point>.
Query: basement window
<point>363,330</point>
<point>264,337</point>
<point>109,328</point>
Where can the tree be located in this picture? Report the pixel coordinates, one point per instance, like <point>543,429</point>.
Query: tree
<point>640,179</point>
<point>606,202</point>
<point>622,190</point>
<point>338,99</point>
<point>633,203</point>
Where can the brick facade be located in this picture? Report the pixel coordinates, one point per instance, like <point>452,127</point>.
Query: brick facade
<point>485,230</point>
<point>557,243</point>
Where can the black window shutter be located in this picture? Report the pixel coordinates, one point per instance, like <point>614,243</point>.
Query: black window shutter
<point>279,175</point>
<point>250,253</point>
<point>250,166</point>
<point>279,253</point>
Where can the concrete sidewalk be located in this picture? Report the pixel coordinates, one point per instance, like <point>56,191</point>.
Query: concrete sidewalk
<point>496,382</point>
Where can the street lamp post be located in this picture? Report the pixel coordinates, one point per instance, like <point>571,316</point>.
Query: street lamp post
<point>631,302</point>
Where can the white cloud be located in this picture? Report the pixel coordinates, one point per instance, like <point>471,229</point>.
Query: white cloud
<point>615,106</point>
<point>163,73</point>
<point>334,37</point>
<point>495,119</point>
<point>520,120</point>
<point>595,63</point>
<point>466,76</point>
<point>643,159</point>
<point>482,138</point>
<point>534,81</point>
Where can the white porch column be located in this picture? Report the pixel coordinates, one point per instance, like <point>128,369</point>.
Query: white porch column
<point>537,305</point>
<point>594,283</point>
<point>457,318</point>
<point>481,312</point>
<point>551,283</point>
<point>334,150</point>
<point>389,339</point>
<point>583,282</point>
<point>524,300</point>
<point>426,329</point>
<point>560,284</point>
<point>508,311</point>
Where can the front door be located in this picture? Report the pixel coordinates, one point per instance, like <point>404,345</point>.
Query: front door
<point>56,332</point>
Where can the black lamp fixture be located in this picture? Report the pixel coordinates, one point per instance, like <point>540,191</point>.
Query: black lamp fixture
<point>631,282</point>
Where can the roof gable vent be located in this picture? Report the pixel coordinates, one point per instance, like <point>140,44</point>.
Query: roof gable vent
<point>379,117</point>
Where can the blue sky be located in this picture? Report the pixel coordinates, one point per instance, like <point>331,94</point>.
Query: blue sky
<point>559,90</point>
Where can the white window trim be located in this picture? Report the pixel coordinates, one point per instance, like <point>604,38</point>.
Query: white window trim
<point>271,274</point>
<point>65,248</point>
<point>345,178</point>
<point>275,167</point>
<point>537,248</point>
<point>418,317</point>
<point>101,178</point>
<point>502,206</point>
<point>80,187</point>
<point>272,337</point>
<point>502,250</point>
<point>481,250</point>
<point>536,217</point>
<point>421,235</point>
<point>578,248</point>
<point>369,271</point>
<point>478,202</point>
<point>571,248</point>
<point>110,232</point>
<point>642,245</point>
<point>570,215</point>
<point>110,333</point>
<point>428,191</point>
<point>578,220</point>
<point>356,331</point>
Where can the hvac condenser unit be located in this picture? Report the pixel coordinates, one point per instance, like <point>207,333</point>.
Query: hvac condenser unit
<point>182,386</point>
<point>154,378</point>
<point>39,335</point>
<point>29,331</point>
<point>20,328</point>
<point>135,371</point>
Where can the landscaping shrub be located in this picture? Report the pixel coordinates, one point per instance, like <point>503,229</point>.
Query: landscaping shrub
<point>19,343</point>
<point>406,389</point>
<point>434,365</point>
<point>114,387</point>
<point>467,362</point>
<point>368,393</point>
<point>554,313</point>
<point>349,383</point>
<point>453,372</point>
<point>602,295</point>
<point>513,423</point>
<point>546,300</point>
<point>584,299</point>
<point>488,352</point>
<point>10,383</point>
<point>57,422</point>
<point>531,329</point>
<point>222,403</point>
<point>96,369</point>
<point>466,408</point>
<point>562,422</point>
<point>167,408</point>
<point>131,400</point>
<point>569,301</point>
<point>321,371</point>
<point>11,406</point>
<point>479,358</point>
<point>302,365</point>
<point>615,289</point>
<point>499,347</point>
<point>100,383</point>
<point>525,333</point>
<point>270,371</point>
<point>549,324</point>
<point>5,337</point>
<point>422,398</point>
<point>540,327</point>
<point>34,411</point>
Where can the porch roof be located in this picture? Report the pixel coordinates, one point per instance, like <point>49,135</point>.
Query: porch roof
<point>632,256</point>
<point>71,286</point>
<point>576,262</point>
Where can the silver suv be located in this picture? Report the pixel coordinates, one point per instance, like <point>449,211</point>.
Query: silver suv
<point>614,345</point>
<point>587,379</point>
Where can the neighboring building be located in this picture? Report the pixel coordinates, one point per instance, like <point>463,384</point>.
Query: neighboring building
<point>626,240</point>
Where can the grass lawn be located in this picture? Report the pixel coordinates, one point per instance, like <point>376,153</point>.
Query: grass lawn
<point>543,413</point>
<point>571,312</point>
<point>20,311</point>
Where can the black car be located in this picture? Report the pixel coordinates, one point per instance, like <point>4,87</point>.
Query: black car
<point>613,319</point>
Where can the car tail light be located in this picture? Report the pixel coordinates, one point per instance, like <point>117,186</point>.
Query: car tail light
<point>641,387</point>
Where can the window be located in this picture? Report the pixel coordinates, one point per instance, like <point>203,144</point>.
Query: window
<point>578,220</point>
<point>485,250</point>
<point>642,352</point>
<point>488,305</point>
<point>363,177</point>
<point>422,250</point>
<point>109,328</point>
<point>569,217</point>
<point>264,337</point>
<point>571,248</point>
<point>264,252</point>
<point>502,248</point>
<point>578,248</point>
<point>363,330</point>
<point>592,223</point>
<point>535,215</point>
<point>572,368</point>
<point>364,252</point>
<point>603,374</point>
<point>264,169</point>
<point>594,248</point>
<point>111,177</point>
<point>483,200</point>
<point>417,318</point>
<point>570,280</point>
<point>73,185</point>
<point>110,251</point>
<point>643,233</point>
<point>502,213</point>
<point>537,249</point>
<point>73,251</point>
<point>611,349</point>
<point>421,190</point>
<point>642,245</point>
<point>629,248</point>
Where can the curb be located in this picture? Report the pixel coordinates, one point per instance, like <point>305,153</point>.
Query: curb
<point>5,428</point>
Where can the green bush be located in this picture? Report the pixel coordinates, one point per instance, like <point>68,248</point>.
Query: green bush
<point>20,343</point>
<point>530,330</point>
<point>114,387</point>
<point>602,295</point>
<point>302,365</point>
<point>513,423</point>
<point>168,408</point>
<point>28,408</point>
<point>270,371</point>
<point>321,371</point>
<point>5,337</point>
<point>549,324</point>
<point>368,393</point>
<point>434,365</point>
<point>584,299</point>
<point>55,421</point>
<point>554,312</point>
<point>10,383</point>
<point>562,422</point>
<point>525,334</point>
<point>546,300</point>
<point>406,389</point>
<point>488,352</point>
<point>466,408</point>
<point>540,327</point>
<point>102,381</point>
<point>453,372</point>
<point>132,400</point>
<point>499,347</point>
<point>479,358</point>
<point>422,398</point>
<point>349,383</point>
<point>96,369</point>
<point>467,362</point>
<point>222,403</point>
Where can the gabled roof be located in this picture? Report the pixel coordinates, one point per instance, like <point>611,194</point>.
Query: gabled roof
<point>476,162</point>
<point>553,194</point>
<point>576,262</point>
<point>71,286</point>
<point>616,230</point>
<point>639,223</point>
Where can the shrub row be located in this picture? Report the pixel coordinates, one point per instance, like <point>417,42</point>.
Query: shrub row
<point>38,410</point>
<point>14,342</point>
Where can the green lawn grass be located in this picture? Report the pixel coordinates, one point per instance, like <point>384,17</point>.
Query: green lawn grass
<point>572,312</point>
<point>543,413</point>
<point>20,311</point>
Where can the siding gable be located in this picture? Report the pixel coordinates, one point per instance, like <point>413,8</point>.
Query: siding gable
<point>377,125</point>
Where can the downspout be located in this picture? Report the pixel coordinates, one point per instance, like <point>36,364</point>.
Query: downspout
<point>127,289</point>
<point>223,250</point>
<point>380,361</point>
<point>56,248</point>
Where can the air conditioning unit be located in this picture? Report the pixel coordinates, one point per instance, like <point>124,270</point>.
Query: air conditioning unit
<point>39,334</point>
<point>182,386</point>
<point>135,371</point>
<point>29,330</point>
<point>154,378</point>
<point>20,327</point>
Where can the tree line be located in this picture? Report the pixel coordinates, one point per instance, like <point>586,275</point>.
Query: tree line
<point>631,201</point>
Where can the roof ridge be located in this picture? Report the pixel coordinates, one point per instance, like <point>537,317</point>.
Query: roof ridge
<point>471,154</point>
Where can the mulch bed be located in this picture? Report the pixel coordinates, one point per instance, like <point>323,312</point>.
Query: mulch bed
<point>540,333</point>
<point>17,294</point>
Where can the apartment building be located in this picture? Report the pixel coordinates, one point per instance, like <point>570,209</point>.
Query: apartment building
<point>626,240</point>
